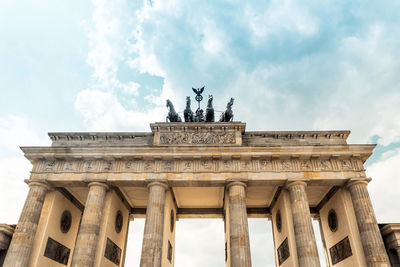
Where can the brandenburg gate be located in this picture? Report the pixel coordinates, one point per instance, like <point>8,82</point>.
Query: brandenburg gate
<point>86,187</point>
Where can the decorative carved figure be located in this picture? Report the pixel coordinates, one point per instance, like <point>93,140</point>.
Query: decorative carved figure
<point>148,166</point>
<point>128,164</point>
<point>265,165</point>
<point>346,164</point>
<point>188,113</point>
<point>172,114</point>
<point>227,165</point>
<point>68,166</point>
<point>50,165</point>
<point>325,165</point>
<point>206,164</point>
<point>168,165</point>
<point>227,115</point>
<point>210,110</point>
<point>306,165</point>
<point>187,165</point>
<point>89,165</point>
<point>286,165</point>
<point>108,166</point>
<point>245,165</point>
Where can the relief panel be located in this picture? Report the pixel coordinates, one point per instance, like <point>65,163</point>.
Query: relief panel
<point>199,165</point>
<point>56,251</point>
<point>340,251</point>
<point>197,138</point>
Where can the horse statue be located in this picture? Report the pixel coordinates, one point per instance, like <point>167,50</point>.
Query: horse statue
<point>172,114</point>
<point>188,113</point>
<point>227,115</point>
<point>210,110</point>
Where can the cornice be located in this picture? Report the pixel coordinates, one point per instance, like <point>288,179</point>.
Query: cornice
<point>282,152</point>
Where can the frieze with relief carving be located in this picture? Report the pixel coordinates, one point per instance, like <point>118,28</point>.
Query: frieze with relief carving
<point>197,165</point>
<point>199,138</point>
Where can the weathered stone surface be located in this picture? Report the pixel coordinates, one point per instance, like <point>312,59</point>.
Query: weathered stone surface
<point>249,138</point>
<point>205,165</point>
<point>6,232</point>
<point>197,160</point>
<point>86,241</point>
<point>305,239</point>
<point>153,229</point>
<point>372,242</point>
<point>391,237</point>
<point>21,244</point>
<point>239,230</point>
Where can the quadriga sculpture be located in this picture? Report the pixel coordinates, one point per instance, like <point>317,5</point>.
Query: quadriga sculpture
<point>172,114</point>
<point>210,110</point>
<point>188,113</point>
<point>227,115</point>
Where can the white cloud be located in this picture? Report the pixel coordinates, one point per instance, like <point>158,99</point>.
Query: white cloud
<point>103,112</point>
<point>108,37</point>
<point>15,131</point>
<point>277,17</point>
<point>384,188</point>
<point>14,168</point>
<point>14,191</point>
<point>290,66</point>
<point>131,88</point>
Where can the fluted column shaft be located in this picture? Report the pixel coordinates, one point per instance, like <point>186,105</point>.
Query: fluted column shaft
<point>374,248</point>
<point>21,244</point>
<point>86,241</point>
<point>153,229</point>
<point>304,234</point>
<point>239,230</point>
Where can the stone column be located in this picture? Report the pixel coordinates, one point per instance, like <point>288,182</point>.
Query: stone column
<point>239,230</point>
<point>153,229</point>
<point>304,234</point>
<point>22,241</point>
<point>371,238</point>
<point>86,241</point>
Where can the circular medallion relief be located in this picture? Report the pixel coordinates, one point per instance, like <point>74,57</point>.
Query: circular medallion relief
<point>172,220</point>
<point>332,220</point>
<point>118,222</point>
<point>65,222</point>
<point>278,220</point>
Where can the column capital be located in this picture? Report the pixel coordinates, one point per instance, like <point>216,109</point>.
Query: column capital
<point>99,183</point>
<point>40,183</point>
<point>232,183</point>
<point>355,181</point>
<point>159,183</point>
<point>290,183</point>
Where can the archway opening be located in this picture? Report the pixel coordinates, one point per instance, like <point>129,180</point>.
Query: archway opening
<point>199,243</point>
<point>261,242</point>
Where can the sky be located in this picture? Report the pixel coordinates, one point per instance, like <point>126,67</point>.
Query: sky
<point>70,65</point>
